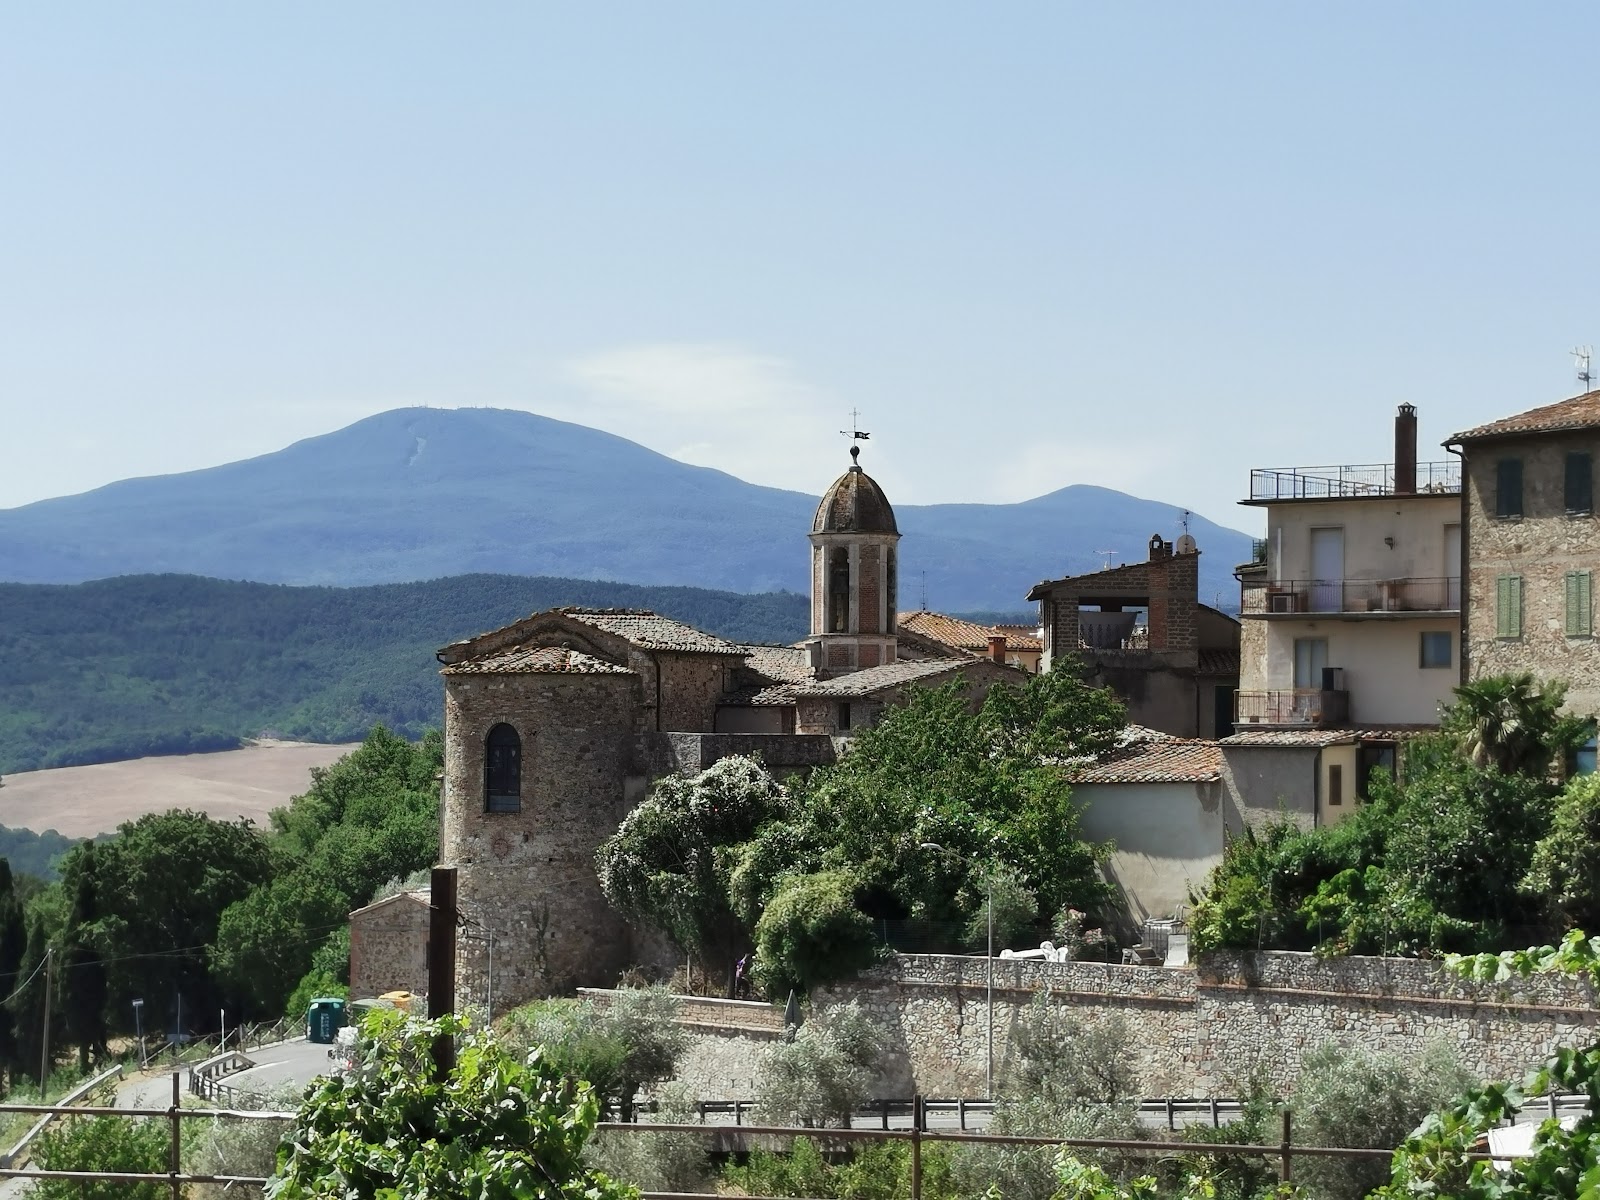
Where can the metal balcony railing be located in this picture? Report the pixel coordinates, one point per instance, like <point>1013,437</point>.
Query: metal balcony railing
<point>1351,480</point>
<point>1307,707</point>
<point>1405,595</point>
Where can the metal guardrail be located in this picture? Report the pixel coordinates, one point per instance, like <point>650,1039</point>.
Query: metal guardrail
<point>1409,594</point>
<point>1351,480</point>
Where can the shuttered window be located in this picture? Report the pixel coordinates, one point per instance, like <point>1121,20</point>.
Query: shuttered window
<point>1580,484</point>
<point>1508,488</point>
<point>1580,619</point>
<point>1336,783</point>
<point>1508,606</point>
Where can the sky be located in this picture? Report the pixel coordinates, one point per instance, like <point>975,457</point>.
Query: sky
<point>1143,246</point>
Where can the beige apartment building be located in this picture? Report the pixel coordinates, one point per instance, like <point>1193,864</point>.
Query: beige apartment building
<point>1351,609</point>
<point>1533,546</point>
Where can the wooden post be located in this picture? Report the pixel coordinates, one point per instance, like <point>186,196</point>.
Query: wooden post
<point>1216,1117</point>
<point>176,1163</point>
<point>1285,1170</point>
<point>1172,1114</point>
<point>916,1147</point>
<point>442,961</point>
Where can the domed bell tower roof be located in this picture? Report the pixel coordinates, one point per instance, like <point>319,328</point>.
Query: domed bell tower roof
<point>854,504</point>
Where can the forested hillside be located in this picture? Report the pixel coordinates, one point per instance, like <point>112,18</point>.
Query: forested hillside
<point>167,664</point>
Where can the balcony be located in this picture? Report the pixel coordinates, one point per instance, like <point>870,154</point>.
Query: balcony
<point>1269,484</point>
<point>1296,708</point>
<point>1350,597</point>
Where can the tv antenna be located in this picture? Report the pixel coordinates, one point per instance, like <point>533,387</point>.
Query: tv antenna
<point>1110,554</point>
<point>924,604</point>
<point>1582,356</point>
<point>1184,520</point>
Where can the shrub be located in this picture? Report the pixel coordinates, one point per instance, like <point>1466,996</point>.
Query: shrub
<point>811,933</point>
<point>103,1144</point>
<point>824,1074</point>
<point>236,1147</point>
<point>656,1162</point>
<point>1015,908</point>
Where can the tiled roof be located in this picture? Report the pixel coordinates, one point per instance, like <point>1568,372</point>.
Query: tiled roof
<point>1143,733</point>
<point>965,635</point>
<point>877,679</point>
<point>1290,737</point>
<point>536,660</point>
<point>1021,637</point>
<point>1390,733</point>
<point>1578,412</point>
<point>652,631</point>
<point>785,664</point>
<point>1135,573</point>
<point>1218,662</point>
<point>1169,760</point>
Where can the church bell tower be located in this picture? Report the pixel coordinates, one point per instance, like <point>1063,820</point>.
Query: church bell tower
<point>854,575</point>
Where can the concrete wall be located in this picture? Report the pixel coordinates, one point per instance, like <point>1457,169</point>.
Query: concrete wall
<point>1415,523</point>
<point>389,946</point>
<point>529,875</point>
<point>1541,547</point>
<point>1168,837</point>
<point>753,718</point>
<point>1381,659</point>
<point>1345,758</point>
<point>1156,697</point>
<point>1198,1032</point>
<point>1264,784</point>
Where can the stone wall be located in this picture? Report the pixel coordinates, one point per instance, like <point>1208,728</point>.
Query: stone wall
<point>727,1039</point>
<point>1541,546</point>
<point>389,946</point>
<point>691,687</point>
<point>1197,1032</point>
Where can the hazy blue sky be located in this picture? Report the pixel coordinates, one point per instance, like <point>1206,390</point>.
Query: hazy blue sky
<point>1136,245</point>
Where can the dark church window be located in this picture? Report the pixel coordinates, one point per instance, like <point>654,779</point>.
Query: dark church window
<point>839,591</point>
<point>893,583</point>
<point>502,771</point>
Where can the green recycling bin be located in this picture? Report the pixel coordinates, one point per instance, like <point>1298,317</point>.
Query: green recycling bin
<point>324,1019</point>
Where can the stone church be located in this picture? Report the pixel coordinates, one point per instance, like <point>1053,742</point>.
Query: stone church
<point>555,726</point>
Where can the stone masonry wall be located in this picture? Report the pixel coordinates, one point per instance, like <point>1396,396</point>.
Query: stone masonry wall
<point>1197,1032</point>
<point>389,946</point>
<point>691,687</point>
<point>528,877</point>
<point>1541,546</point>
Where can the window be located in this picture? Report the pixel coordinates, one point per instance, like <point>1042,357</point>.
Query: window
<point>839,590</point>
<point>1437,649</point>
<point>1336,784</point>
<point>1373,756</point>
<point>1580,608</point>
<point>1310,659</point>
<point>502,771</point>
<point>1583,759</point>
<point>1580,484</point>
<point>844,716</point>
<point>1508,488</point>
<point>1508,607</point>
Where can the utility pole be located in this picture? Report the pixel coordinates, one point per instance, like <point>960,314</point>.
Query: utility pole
<point>44,1049</point>
<point>442,961</point>
<point>988,1073</point>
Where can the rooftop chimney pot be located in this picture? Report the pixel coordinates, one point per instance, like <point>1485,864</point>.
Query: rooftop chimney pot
<point>1405,451</point>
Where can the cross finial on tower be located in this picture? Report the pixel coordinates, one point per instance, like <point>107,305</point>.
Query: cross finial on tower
<point>855,433</point>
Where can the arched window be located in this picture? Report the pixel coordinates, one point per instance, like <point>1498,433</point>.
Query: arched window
<point>839,591</point>
<point>502,771</point>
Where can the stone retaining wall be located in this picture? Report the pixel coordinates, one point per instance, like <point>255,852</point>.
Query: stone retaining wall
<point>1200,1031</point>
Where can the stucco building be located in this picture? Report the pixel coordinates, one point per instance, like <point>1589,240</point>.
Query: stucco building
<point>556,724</point>
<point>1141,630</point>
<point>1533,546</point>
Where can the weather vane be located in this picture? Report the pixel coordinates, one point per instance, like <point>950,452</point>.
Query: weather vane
<point>855,433</point>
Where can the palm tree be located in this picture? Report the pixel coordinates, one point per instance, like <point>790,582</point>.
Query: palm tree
<point>1514,723</point>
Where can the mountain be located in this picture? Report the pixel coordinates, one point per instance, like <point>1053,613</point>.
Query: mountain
<point>421,493</point>
<point>171,664</point>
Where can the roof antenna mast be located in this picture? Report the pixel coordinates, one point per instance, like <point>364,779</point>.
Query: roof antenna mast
<point>1582,355</point>
<point>856,434</point>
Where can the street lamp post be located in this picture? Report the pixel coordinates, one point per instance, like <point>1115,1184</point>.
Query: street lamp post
<point>138,1024</point>
<point>988,905</point>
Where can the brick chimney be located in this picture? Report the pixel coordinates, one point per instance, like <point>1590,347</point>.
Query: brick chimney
<point>1405,451</point>
<point>997,647</point>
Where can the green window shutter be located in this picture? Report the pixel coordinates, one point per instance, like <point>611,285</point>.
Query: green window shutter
<point>1508,606</point>
<point>1580,622</point>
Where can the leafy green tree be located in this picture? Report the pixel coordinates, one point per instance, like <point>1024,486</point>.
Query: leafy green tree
<point>669,862</point>
<point>494,1128</point>
<point>1564,874</point>
<point>1015,907</point>
<point>824,1074</point>
<point>86,972</point>
<point>13,946</point>
<point>812,932</point>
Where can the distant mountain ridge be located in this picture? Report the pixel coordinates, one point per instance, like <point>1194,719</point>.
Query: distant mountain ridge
<point>422,493</point>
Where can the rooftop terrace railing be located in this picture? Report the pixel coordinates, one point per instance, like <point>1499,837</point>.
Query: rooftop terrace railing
<point>1311,596</point>
<point>1351,481</point>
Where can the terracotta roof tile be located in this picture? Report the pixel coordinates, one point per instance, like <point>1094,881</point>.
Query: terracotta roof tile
<point>1218,662</point>
<point>1290,737</point>
<point>964,635</point>
<point>651,631</point>
<point>1169,760</point>
<point>1577,412</point>
<point>784,664</point>
<point>536,660</point>
<point>877,679</point>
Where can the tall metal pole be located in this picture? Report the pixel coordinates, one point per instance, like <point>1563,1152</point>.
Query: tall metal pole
<point>491,976</point>
<point>988,1074</point>
<point>44,1048</point>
